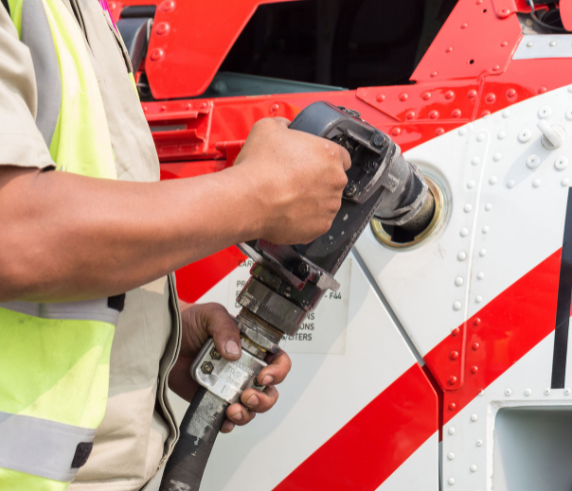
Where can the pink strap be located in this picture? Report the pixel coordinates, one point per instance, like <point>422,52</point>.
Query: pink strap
<point>105,6</point>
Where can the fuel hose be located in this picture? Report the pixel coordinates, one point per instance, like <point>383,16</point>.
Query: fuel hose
<point>199,429</point>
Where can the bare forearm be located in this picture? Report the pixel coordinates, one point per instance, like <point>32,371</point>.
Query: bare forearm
<point>67,237</point>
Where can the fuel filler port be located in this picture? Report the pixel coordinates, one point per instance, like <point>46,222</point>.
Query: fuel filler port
<point>425,223</point>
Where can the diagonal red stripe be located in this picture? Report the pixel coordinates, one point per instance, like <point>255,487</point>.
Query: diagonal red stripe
<point>373,444</point>
<point>500,334</point>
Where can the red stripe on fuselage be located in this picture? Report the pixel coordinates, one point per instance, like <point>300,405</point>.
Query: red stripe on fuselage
<point>373,444</point>
<point>500,334</point>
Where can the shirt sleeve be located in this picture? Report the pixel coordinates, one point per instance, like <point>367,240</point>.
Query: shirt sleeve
<point>21,143</point>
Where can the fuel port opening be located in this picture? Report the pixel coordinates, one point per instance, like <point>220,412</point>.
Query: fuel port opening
<point>425,223</point>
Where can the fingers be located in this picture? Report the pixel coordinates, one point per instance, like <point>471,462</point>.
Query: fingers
<point>279,366</point>
<point>259,402</point>
<point>346,159</point>
<point>238,415</point>
<point>223,330</point>
<point>227,426</point>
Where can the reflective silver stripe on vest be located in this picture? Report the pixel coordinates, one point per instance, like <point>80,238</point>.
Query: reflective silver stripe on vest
<point>92,310</point>
<point>36,34</point>
<point>40,447</point>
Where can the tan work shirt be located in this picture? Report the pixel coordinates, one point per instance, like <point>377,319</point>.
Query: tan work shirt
<point>139,430</point>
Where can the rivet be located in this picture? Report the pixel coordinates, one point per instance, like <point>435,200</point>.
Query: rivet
<point>510,183</point>
<point>426,96</point>
<point>542,89</point>
<point>478,299</point>
<point>474,370</point>
<point>570,88</point>
<point>462,131</point>
<point>168,6</point>
<point>530,44</point>
<point>565,182</point>
<point>456,113</point>
<point>468,208</point>
<point>552,44</point>
<point>472,94</point>
<point>449,49</point>
<point>482,392</point>
<point>496,68</point>
<point>510,93</point>
<point>561,163</point>
<point>451,481</point>
<point>471,184</point>
<point>145,108</point>
<point>488,207</point>
<point>493,180</point>
<point>396,131</point>
<point>462,256</point>
<point>475,161</point>
<point>527,392</point>
<point>566,392</point>
<point>454,355</point>
<point>455,332</point>
<point>536,183</point>
<point>532,162</point>
<point>451,430</point>
<point>464,25</point>
<point>457,305</point>
<point>474,418</point>
<point>187,106</point>
<point>459,281</point>
<point>506,113</point>
<point>203,105</point>
<point>486,230</point>
<point>481,137</point>
<point>162,28</point>
<point>544,112</point>
<point>452,380</point>
<point>497,156</point>
<point>501,135</point>
<point>481,275</point>
<point>439,131</point>
<point>479,443</point>
<point>504,44</point>
<point>486,113</point>
<point>403,96</point>
<point>483,252</point>
<point>434,74</point>
<point>473,468</point>
<point>464,232</point>
<point>477,322</point>
<point>156,54</point>
<point>546,392</point>
<point>433,114</point>
<point>410,115</point>
<point>274,108</point>
<point>380,97</point>
<point>450,455</point>
<point>569,114</point>
<point>449,95</point>
<point>475,346</point>
<point>490,98</point>
<point>524,136</point>
<point>452,406</point>
<point>507,392</point>
<point>163,108</point>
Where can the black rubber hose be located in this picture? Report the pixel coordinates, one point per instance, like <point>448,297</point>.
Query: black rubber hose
<point>199,429</point>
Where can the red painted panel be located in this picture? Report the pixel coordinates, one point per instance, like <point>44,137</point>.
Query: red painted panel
<point>499,335</point>
<point>472,43</point>
<point>373,444</point>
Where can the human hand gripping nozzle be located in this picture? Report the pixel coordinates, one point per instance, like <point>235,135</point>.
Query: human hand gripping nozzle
<point>287,282</point>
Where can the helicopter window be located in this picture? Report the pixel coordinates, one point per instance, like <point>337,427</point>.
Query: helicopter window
<point>318,45</point>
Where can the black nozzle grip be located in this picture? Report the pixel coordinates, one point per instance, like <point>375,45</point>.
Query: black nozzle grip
<point>199,429</point>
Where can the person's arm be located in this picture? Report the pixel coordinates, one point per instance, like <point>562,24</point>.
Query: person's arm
<point>65,237</point>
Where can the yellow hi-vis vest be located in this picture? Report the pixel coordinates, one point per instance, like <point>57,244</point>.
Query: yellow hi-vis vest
<point>54,358</point>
